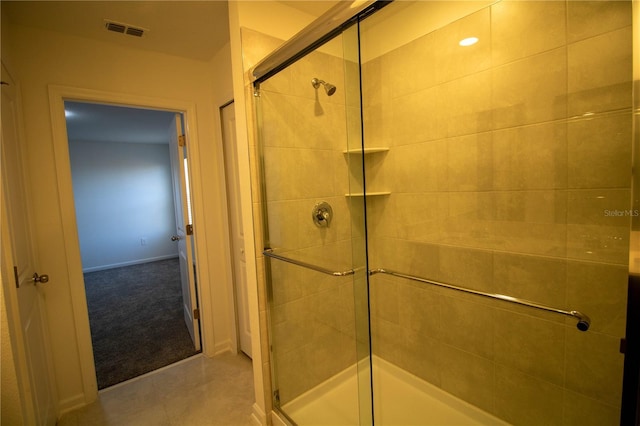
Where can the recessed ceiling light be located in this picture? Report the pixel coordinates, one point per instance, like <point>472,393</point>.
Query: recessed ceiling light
<point>469,41</point>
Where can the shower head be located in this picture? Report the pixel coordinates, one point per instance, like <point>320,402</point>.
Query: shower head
<point>328,87</point>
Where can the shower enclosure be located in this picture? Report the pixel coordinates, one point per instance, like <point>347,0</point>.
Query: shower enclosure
<point>447,204</point>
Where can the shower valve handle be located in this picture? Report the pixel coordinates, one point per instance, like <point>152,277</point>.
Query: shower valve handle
<point>322,214</point>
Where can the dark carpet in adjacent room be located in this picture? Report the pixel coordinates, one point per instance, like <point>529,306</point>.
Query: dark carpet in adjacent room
<point>136,318</point>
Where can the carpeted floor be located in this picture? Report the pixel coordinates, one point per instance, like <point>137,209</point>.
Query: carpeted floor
<point>136,319</point>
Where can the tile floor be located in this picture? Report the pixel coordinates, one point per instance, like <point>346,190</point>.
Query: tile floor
<point>196,392</point>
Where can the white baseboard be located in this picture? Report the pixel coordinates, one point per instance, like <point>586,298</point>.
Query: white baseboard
<point>69,404</point>
<point>128,263</point>
<point>258,416</point>
<point>276,420</point>
<point>222,347</point>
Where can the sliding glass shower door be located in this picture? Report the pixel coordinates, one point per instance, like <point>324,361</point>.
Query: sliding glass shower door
<point>508,127</point>
<point>315,254</point>
<point>446,189</point>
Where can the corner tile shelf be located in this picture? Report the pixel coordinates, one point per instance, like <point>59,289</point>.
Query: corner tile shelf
<point>366,150</point>
<point>369,194</point>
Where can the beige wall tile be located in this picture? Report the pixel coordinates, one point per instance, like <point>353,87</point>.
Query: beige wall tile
<point>280,165</point>
<point>530,90</point>
<point>292,327</point>
<point>413,67</point>
<point>467,325</point>
<point>419,216</point>
<point>283,224</point>
<point>421,309</point>
<point>470,162</point>
<point>531,206</point>
<point>469,220</point>
<point>293,374</point>
<point>594,366</point>
<point>516,29</point>
<point>277,130</point>
<point>598,243</point>
<point>419,167</point>
<point>453,61</point>
<point>530,345</point>
<point>599,151</point>
<point>599,291</point>
<point>387,340</point>
<point>286,285</point>
<point>384,298</point>
<point>531,157</point>
<point>334,352</point>
<point>548,239</point>
<point>590,18</point>
<point>465,104</point>
<point>536,278</point>
<point>468,377</point>
<point>408,124</point>
<point>600,82</point>
<point>421,356</point>
<point>530,222</point>
<point>606,207</point>
<point>466,268</point>
<point>525,400</point>
<point>421,259</point>
<point>580,410</point>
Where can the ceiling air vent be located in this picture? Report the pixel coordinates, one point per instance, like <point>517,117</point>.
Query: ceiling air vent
<point>135,31</point>
<point>121,28</point>
<point>117,28</point>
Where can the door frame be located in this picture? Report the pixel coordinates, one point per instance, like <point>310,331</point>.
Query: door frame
<point>231,150</point>
<point>57,96</point>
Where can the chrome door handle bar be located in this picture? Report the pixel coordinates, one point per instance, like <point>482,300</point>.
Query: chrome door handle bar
<point>584,322</point>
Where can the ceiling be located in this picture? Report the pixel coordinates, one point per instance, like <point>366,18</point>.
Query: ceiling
<point>191,29</point>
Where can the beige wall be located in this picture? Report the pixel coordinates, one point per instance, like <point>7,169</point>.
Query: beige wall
<point>44,58</point>
<point>503,160</point>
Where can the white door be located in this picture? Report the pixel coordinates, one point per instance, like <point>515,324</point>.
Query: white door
<point>235,225</point>
<point>24,297</point>
<point>183,237</point>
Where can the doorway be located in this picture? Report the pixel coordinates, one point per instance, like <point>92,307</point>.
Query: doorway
<point>130,200</point>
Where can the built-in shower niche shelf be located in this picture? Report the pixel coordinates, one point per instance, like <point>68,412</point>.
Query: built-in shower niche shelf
<point>368,194</point>
<point>366,150</point>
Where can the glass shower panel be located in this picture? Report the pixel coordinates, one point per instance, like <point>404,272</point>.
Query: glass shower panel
<point>498,140</point>
<point>315,238</point>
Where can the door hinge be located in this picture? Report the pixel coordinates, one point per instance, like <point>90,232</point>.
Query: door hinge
<point>189,229</point>
<point>196,313</point>
<point>15,275</point>
<point>182,140</point>
<point>276,397</point>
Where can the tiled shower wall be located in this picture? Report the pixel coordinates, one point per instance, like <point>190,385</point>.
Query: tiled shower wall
<point>509,167</point>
